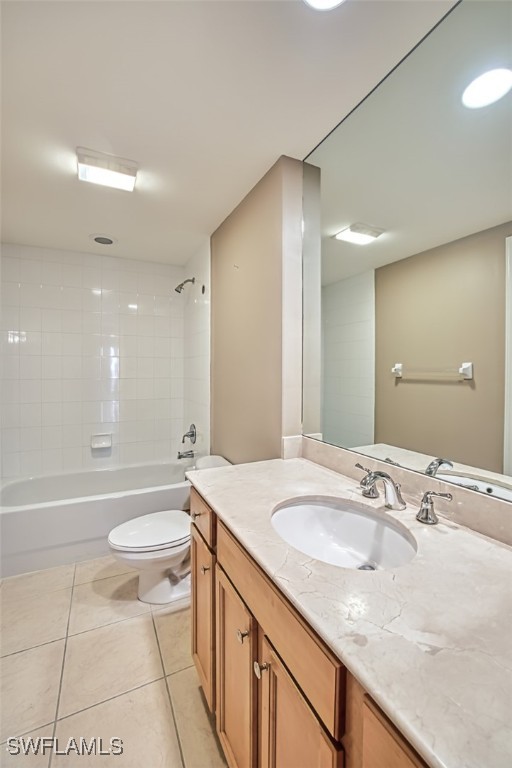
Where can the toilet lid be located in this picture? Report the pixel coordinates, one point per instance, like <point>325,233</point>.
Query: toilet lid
<point>154,531</point>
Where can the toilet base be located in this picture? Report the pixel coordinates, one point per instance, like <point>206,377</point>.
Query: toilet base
<point>162,588</point>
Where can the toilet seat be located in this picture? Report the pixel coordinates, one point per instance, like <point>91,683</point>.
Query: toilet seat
<point>150,533</point>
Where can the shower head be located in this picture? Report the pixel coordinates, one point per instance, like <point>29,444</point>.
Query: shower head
<point>181,286</point>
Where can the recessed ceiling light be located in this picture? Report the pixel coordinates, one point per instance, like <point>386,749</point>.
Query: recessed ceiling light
<point>102,239</point>
<point>487,88</point>
<point>323,5</point>
<point>107,170</point>
<point>360,234</point>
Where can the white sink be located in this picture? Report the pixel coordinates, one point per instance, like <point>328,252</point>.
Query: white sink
<point>485,486</point>
<point>344,533</point>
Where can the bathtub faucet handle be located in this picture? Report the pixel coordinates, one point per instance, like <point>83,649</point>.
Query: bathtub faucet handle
<point>192,434</point>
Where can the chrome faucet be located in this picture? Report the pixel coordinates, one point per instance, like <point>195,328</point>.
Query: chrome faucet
<point>392,494</point>
<point>185,454</point>
<point>192,434</point>
<point>435,464</point>
<point>426,514</point>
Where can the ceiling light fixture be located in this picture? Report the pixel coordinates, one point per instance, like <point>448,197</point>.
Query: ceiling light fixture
<point>487,88</point>
<point>360,234</point>
<point>102,239</point>
<point>323,5</point>
<point>107,170</point>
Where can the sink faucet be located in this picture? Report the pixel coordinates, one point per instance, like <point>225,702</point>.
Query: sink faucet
<point>435,464</point>
<point>185,454</point>
<point>426,514</point>
<point>392,495</point>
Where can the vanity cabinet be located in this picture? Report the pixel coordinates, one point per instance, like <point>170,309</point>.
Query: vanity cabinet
<point>280,696</point>
<point>203,596</point>
<point>264,719</point>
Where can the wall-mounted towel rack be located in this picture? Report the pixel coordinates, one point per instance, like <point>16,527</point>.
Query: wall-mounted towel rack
<point>464,372</point>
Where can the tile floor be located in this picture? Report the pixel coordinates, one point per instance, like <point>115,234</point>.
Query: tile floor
<point>83,658</point>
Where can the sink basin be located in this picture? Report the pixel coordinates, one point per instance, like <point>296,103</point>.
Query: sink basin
<point>485,486</point>
<point>344,533</point>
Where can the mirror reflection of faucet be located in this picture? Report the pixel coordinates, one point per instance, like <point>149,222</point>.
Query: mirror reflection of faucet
<point>435,464</point>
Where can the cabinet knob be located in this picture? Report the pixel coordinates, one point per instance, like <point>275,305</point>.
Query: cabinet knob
<point>242,635</point>
<point>204,568</point>
<point>193,515</point>
<point>259,668</point>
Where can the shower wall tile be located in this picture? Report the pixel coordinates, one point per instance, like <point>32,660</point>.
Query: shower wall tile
<point>93,343</point>
<point>192,347</point>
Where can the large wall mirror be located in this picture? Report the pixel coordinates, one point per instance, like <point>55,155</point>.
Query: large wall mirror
<point>392,326</point>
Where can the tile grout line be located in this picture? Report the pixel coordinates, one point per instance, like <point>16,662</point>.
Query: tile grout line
<point>63,663</point>
<point>175,722</point>
<point>111,698</point>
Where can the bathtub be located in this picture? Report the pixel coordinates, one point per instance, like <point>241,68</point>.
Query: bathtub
<point>59,519</point>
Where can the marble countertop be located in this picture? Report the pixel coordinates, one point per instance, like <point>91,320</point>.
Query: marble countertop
<point>430,641</point>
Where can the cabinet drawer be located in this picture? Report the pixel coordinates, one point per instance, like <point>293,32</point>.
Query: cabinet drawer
<point>320,674</point>
<point>383,745</point>
<point>203,518</point>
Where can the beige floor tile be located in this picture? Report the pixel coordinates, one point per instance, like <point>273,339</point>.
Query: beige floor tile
<point>33,753</point>
<point>108,661</point>
<point>105,601</point>
<point>35,620</point>
<point>29,686</point>
<point>100,568</point>
<point>174,637</point>
<point>38,582</point>
<point>142,719</point>
<point>195,728</point>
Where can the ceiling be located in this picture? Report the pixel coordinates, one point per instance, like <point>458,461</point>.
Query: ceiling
<point>412,159</point>
<point>204,95</point>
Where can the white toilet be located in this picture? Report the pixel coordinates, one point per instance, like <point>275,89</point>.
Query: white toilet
<point>158,545</point>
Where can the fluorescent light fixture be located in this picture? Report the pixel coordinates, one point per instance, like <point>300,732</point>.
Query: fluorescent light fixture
<point>324,5</point>
<point>360,234</point>
<point>107,170</point>
<point>487,88</point>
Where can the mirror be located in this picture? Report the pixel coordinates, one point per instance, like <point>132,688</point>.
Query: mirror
<point>389,325</point>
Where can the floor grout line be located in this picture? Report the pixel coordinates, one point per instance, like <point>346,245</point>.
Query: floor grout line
<point>33,647</point>
<point>63,664</point>
<point>110,698</point>
<point>173,713</point>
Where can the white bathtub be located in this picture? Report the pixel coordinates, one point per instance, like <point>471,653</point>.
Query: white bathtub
<point>59,519</point>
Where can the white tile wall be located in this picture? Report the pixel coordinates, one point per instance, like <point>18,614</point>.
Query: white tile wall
<point>348,334</point>
<point>197,349</point>
<point>94,344</point>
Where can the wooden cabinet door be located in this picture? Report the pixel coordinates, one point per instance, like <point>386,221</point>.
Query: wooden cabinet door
<point>236,684</point>
<point>383,745</point>
<point>203,614</point>
<point>290,734</point>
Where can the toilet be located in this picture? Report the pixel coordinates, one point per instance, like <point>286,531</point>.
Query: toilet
<point>158,546</point>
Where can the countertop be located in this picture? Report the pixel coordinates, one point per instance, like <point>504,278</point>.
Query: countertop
<point>431,641</point>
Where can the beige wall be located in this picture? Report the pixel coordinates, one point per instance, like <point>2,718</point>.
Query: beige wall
<point>256,319</point>
<point>436,310</point>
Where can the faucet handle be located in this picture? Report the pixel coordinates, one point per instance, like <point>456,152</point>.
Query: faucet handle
<point>426,512</point>
<point>372,492</point>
